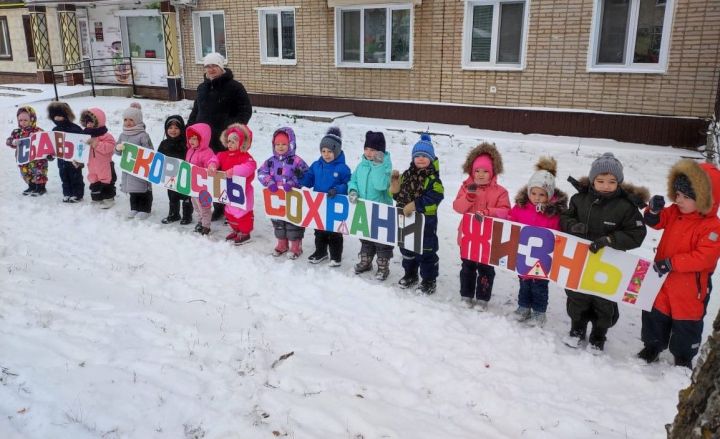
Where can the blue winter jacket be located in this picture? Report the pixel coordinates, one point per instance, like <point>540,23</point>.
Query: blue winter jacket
<point>372,180</point>
<point>323,176</point>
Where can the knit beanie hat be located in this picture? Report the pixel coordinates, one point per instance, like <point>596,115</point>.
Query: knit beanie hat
<point>483,161</point>
<point>375,140</point>
<point>332,141</point>
<point>134,113</point>
<point>682,184</point>
<point>424,147</point>
<point>544,177</point>
<point>214,59</point>
<point>606,164</point>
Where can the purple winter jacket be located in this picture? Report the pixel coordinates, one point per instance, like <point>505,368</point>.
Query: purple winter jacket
<point>282,169</point>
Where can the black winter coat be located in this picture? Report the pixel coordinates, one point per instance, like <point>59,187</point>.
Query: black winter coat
<point>67,127</point>
<point>174,147</point>
<point>616,216</point>
<point>219,103</point>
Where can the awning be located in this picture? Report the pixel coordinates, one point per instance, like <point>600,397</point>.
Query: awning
<point>334,3</point>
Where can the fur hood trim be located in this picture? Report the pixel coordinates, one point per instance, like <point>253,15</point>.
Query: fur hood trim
<point>484,148</point>
<point>699,180</point>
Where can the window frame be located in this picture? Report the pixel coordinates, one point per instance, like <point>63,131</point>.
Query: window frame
<point>6,35</point>
<point>466,63</point>
<point>633,18</point>
<point>123,15</point>
<point>278,10</point>
<point>29,44</point>
<point>388,64</point>
<point>197,34</point>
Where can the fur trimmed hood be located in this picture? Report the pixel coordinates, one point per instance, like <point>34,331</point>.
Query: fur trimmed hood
<point>484,148</point>
<point>60,109</point>
<point>555,206</point>
<point>638,195</point>
<point>242,131</point>
<point>707,194</point>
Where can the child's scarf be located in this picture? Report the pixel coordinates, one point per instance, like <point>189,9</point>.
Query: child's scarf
<point>411,183</point>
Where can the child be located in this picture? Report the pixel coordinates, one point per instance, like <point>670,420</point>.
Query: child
<point>283,169</point>
<point>537,204</point>
<point>605,211</point>
<point>419,189</point>
<point>328,174</point>
<point>73,186</point>
<point>688,252</point>
<point>35,172</point>
<point>101,169</point>
<point>371,181</point>
<point>480,194</point>
<point>237,138</point>
<point>140,190</point>
<point>174,145</point>
<point>200,154</point>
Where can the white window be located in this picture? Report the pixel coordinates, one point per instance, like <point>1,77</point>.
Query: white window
<point>630,36</point>
<point>495,34</point>
<point>277,35</point>
<point>209,27</point>
<point>142,34</point>
<point>5,50</point>
<point>375,37</point>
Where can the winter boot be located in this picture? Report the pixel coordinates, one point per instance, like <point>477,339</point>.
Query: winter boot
<point>218,212</point>
<point>537,319</point>
<point>427,287</point>
<point>231,236</point>
<point>39,190</point>
<point>365,263</point>
<point>597,338</point>
<point>521,314</point>
<point>683,362</point>
<point>30,189</point>
<point>317,257</point>
<point>171,218</point>
<point>650,355</point>
<point>468,302</point>
<point>198,227</point>
<point>187,211</point>
<point>295,249</point>
<point>281,247</point>
<point>383,270</point>
<point>242,238</point>
<point>577,334</point>
<point>408,280</point>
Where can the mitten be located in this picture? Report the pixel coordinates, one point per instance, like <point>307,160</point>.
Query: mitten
<point>472,188</point>
<point>287,187</point>
<point>332,192</point>
<point>50,158</point>
<point>298,172</point>
<point>378,157</point>
<point>657,203</point>
<point>119,147</point>
<point>578,228</point>
<point>599,243</point>
<point>662,267</point>
<point>273,187</point>
<point>409,208</point>
<point>353,196</point>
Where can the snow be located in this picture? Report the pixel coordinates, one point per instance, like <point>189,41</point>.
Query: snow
<point>120,328</point>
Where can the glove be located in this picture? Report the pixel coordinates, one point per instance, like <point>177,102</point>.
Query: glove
<point>332,192</point>
<point>50,158</point>
<point>229,173</point>
<point>409,209</point>
<point>599,243</point>
<point>353,196</point>
<point>298,172</point>
<point>287,187</point>
<point>472,188</point>
<point>379,157</point>
<point>119,147</point>
<point>578,228</point>
<point>657,203</point>
<point>273,187</point>
<point>662,267</point>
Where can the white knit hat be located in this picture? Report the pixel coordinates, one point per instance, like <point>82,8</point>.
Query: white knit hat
<point>214,58</point>
<point>544,176</point>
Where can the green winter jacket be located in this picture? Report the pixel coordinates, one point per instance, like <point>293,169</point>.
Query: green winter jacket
<point>371,180</point>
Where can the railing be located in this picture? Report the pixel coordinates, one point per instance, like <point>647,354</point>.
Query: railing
<point>97,70</point>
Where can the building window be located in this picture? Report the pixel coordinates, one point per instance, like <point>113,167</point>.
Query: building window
<point>209,29</point>
<point>630,36</point>
<point>28,37</point>
<point>375,37</point>
<point>143,36</point>
<point>277,36</point>
<point>495,34</point>
<point>5,48</point>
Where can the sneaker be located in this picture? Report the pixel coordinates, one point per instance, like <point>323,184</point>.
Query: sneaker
<point>537,319</point>
<point>334,263</point>
<point>170,219</point>
<point>468,302</point>
<point>198,227</point>
<point>231,236</point>
<point>427,287</point>
<point>521,314</point>
<point>132,214</point>
<point>242,238</point>
<point>316,258</point>
<point>481,305</point>
<point>142,215</point>
<point>650,355</point>
<point>66,199</point>
<point>107,203</point>
<point>408,280</point>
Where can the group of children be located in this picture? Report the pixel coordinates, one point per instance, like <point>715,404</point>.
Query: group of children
<point>605,210</point>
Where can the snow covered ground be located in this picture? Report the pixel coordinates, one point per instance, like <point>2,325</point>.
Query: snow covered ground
<point>111,328</point>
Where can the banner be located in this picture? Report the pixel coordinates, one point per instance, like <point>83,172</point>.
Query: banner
<point>44,144</point>
<point>563,259</point>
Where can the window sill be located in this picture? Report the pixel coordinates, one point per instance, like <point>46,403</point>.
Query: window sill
<point>494,67</point>
<point>278,62</point>
<point>394,66</point>
<point>631,70</point>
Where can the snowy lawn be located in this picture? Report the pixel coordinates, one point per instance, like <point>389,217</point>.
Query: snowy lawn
<point>115,328</point>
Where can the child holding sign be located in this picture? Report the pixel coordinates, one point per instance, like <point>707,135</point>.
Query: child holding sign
<point>175,145</point>
<point>35,172</point>
<point>481,195</point>
<point>237,138</point>
<point>73,186</point>
<point>605,211</point>
<point>688,252</point>
<point>283,170</point>
<point>537,204</point>
<point>101,170</point>
<point>140,190</point>
<point>419,189</point>
<point>328,174</point>
<point>200,154</point>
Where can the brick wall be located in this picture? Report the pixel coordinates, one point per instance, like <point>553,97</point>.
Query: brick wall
<point>555,76</point>
<point>20,63</point>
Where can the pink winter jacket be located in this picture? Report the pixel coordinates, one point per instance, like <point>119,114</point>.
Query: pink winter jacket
<point>100,162</point>
<point>491,200</point>
<point>242,164</point>
<point>202,155</point>
<point>529,215</point>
